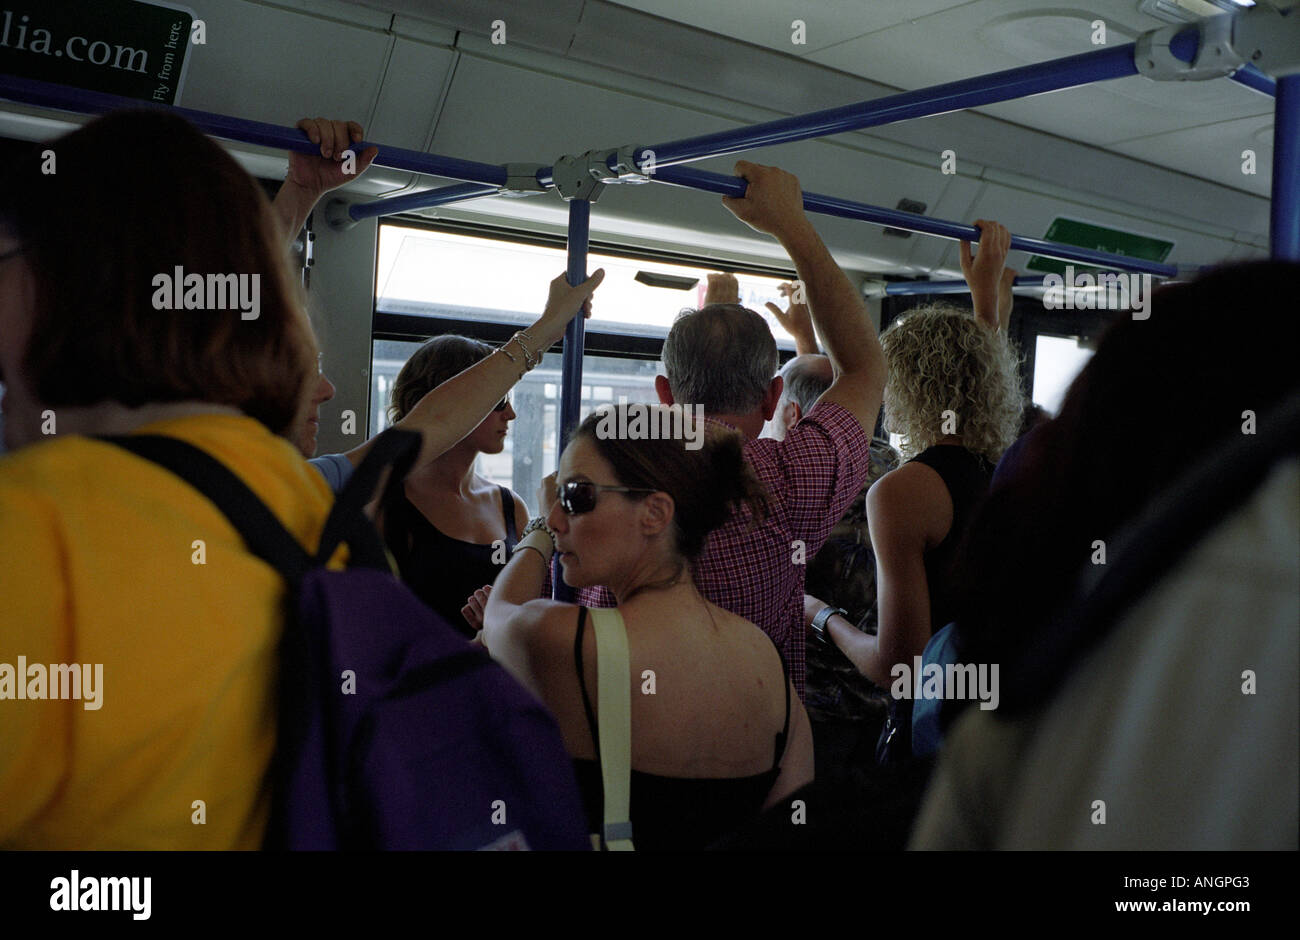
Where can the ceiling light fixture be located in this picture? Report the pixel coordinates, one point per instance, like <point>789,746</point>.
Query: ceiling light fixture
<point>1189,11</point>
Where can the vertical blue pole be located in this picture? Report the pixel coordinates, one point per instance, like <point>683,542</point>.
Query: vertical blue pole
<point>571,376</point>
<point>1284,225</point>
<point>571,372</point>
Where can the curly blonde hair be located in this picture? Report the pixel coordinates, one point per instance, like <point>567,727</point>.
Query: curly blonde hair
<point>941,359</point>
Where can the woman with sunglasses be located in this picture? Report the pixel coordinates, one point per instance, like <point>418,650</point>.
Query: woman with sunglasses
<point>717,733</point>
<point>451,530</point>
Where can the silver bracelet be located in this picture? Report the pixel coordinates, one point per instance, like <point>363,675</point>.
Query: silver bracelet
<point>502,349</point>
<point>529,358</point>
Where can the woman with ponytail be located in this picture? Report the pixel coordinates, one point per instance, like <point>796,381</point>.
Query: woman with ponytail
<point>447,524</point>
<point>717,734</point>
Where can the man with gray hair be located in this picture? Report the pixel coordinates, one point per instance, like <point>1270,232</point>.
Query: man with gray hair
<point>724,358</point>
<point>846,707</point>
<point>804,378</point>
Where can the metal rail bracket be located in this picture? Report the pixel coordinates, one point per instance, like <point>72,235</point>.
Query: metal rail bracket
<point>1268,39</point>
<point>1215,56</point>
<point>521,179</point>
<point>583,177</point>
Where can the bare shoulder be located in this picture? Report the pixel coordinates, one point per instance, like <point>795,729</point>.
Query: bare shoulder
<point>541,625</point>
<point>744,636</point>
<point>907,487</point>
<point>521,509</point>
<point>913,497</point>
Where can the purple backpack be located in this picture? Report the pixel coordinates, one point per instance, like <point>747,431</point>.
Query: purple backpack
<point>394,732</point>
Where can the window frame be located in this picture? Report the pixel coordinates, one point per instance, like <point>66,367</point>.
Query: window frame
<point>391,324</point>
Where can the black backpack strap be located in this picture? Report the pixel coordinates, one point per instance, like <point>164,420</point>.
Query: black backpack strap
<point>348,522</point>
<point>264,534</point>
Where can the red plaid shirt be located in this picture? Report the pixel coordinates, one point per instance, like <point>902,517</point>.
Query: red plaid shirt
<point>811,477</point>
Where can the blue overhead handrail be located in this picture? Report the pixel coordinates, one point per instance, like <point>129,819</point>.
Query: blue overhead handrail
<point>914,288</point>
<point>1056,75</point>
<point>1070,72</point>
<point>422,200</point>
<point>911,222</point>
<point>1252,77</point>
<point>84,101</point>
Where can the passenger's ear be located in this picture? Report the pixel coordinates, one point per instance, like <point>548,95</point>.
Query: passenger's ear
<point>772,397</point>
<point>663,389</point>
<point>791,413</point>
<point>657,511</point>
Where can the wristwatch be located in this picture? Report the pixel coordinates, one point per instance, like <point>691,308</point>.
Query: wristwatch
<point>819,623</point>
<point>535,523</point>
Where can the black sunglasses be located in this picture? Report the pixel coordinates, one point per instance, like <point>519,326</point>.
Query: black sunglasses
<point>503,404</point>
<point>579,496</point>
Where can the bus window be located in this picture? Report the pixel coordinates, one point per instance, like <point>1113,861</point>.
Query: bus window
<point>430,272</point>
<point>434,281</point>
<point>530,447</point>
<point>1057,360</point>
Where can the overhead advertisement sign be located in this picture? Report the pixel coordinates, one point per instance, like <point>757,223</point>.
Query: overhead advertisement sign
<point>122,47</point>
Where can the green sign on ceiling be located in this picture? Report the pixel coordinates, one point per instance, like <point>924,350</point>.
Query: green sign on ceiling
<point>1086,235</point>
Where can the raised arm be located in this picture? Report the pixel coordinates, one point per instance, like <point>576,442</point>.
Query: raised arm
<point>451,410</point>
<point>983,272</point>
<point>1006,299</point>
<point>773,204</point>
<point>796,320</point>
<point>311,176</point>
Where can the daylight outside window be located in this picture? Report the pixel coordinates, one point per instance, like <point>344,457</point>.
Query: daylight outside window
<point>446,275</point>
<point>530,446</point>
<point>1057,360</point>
<point>434,273</point>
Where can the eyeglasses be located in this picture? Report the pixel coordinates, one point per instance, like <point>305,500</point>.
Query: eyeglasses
<point>579,496</point>
<point>503,404</point>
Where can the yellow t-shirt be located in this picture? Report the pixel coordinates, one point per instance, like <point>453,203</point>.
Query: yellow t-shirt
<point>100,565</point>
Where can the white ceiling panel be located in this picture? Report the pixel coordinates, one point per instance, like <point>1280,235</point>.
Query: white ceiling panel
<point>414,84</point>
<point>988,37</point>
<point>539,25</point>
<point>1213,152</point>
<point>768,23</point>
<point>282,65</point>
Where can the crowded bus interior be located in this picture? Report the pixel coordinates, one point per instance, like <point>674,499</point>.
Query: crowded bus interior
<point>646,425</point>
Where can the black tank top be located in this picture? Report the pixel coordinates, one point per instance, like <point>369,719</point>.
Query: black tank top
<point>675,813</point>
<point>443,571</point>
<point>967,476</point>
